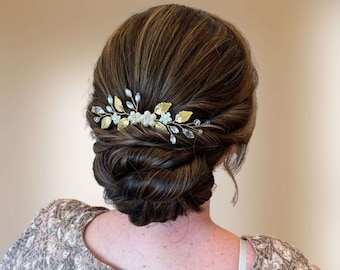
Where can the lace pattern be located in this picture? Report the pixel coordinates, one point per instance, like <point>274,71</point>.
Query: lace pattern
<point>275,254</point>
<point>54,240</point>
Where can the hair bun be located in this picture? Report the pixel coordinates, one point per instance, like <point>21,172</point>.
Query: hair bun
<point>153,184</point>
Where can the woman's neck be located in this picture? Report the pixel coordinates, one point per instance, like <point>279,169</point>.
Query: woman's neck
<point>184,226</point>
<point>111,236</point>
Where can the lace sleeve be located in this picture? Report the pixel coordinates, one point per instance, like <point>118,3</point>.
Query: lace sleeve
<point>54,239</point>
<point>25,251</point>
<point>276,254</point>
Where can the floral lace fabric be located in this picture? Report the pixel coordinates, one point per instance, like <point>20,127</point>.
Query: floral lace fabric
<point>54,240</point>
<point>273,254</point>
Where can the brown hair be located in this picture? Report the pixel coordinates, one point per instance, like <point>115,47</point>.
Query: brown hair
<point>200,63</point>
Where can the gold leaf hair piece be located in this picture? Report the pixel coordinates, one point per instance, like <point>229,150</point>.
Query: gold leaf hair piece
<point>161,119</point>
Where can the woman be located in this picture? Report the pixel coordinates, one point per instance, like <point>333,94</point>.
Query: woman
<point>174,97</point>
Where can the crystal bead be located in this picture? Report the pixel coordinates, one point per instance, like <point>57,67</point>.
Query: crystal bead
<point>137,97</point>
<point>109,109</point>
<point>128,92</point>
<point>197,122</point>
<point>188,133</point>
<point>110,100</point>
<point>174,129</point>
<point>130,105</point>
<point>97,110</point>
<point>172,139</point>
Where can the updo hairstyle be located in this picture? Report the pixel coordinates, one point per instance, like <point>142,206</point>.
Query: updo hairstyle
<point>196,61</point>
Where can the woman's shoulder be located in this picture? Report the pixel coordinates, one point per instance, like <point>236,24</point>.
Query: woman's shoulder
<point>273,253</point>
<point>74,211</point>
<point>54,238</point>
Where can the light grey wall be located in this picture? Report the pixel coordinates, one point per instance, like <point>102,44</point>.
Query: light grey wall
<point>289,185</point>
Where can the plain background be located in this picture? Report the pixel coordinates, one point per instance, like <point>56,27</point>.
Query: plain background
<point>290,184</point>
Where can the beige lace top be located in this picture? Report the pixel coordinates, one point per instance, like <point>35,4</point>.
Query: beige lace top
<point>54,240</point>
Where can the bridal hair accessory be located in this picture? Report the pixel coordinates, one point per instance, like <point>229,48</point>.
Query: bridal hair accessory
<point>160,118</point>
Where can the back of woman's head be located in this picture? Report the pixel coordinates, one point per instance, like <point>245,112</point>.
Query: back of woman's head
<point>193,62</point>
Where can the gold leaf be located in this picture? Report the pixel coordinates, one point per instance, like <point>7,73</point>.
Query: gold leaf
<point>118,104</point>
<point>106,122</point>
<point>123,123</point>
<point>183,116</point>
<point>162,107</point>
<point>160,126</point>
